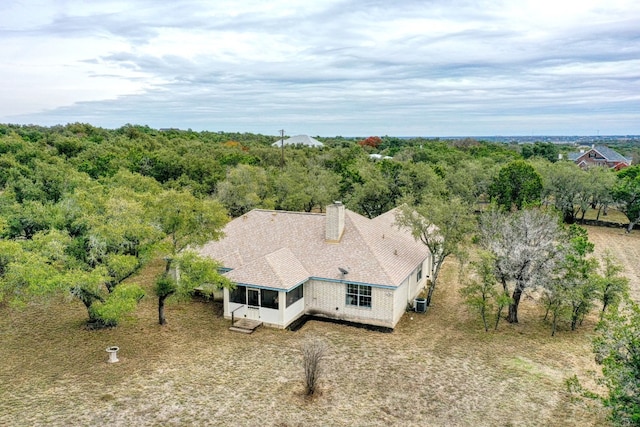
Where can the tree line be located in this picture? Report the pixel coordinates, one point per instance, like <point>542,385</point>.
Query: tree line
<point>104,198</point>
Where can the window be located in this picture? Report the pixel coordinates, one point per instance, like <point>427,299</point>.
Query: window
<point>419,275</point>
<point>269,299</point>
<point>294,295</point>
<point>359,295</point>
<point>239,295</point>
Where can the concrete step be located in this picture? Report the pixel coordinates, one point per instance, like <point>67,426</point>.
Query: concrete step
<point>243,330</point>
<point>245,325</point>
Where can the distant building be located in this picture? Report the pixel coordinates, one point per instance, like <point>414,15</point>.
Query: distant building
<point>599,155</point>
<point>379,157</point>
<point>305,140</point>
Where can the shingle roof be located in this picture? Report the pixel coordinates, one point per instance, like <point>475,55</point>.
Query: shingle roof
<point>278,270</point>
<point>299,140</point>
<point>277,248</point>
<point>610,154</point>
<point>607,153</point>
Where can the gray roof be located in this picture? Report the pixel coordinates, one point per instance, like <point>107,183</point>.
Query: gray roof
<point>279,249</point>
<point>299,140</point>
<point>606,152</point>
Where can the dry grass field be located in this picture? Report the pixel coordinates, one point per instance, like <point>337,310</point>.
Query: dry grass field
<point>625,247</point>
<point>435,369</point>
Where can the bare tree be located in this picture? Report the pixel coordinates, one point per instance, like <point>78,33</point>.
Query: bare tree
<point>313,351</point>
<point>525,247</point>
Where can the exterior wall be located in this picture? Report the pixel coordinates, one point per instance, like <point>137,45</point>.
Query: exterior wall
<point>401,297</point>
<point>294,311</point>
<point>271,316</point>
<point>409,290</point>
<point>328,299</point>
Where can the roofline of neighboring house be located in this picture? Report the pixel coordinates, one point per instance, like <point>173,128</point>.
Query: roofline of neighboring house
<point>595,148</point>
<point>625,160</point>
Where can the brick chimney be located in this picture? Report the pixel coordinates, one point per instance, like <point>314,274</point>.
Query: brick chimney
<point>334,222</point>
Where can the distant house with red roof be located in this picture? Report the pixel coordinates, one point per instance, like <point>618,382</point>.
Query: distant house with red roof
<point>599,155</point>
<point>338,265</point>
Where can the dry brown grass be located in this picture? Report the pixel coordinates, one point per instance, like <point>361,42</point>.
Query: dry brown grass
<point>613,215</point>
<point>436,369</point>
<point>625,247</point>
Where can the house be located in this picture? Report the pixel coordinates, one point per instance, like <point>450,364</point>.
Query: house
<point>601,156</point>
<point>376,156</point>
<point>338,265</point>
<point>305,140</point>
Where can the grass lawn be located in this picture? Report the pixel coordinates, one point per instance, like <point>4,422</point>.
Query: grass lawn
<point>435,369</point>
<point>613,215</point>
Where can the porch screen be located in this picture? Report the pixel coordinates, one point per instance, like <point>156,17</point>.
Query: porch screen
<point>269,298</point>
<point>294,295</point>
<point>238,295</point>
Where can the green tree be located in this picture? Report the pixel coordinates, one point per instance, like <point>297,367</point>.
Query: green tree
<point>418,181</point>
<point>122,301</point>
<point>626,194</point>
<point>545,150</point>
<point>26,219</point>
<point>113,234</point>
<point>617,348</point>
<point>566,187</point>
<point>377,189</point>
<point>302,187</point>
<point>599,188</point>
<point>516,186</point>
<point>612,287</point>
<point>553,300</point>
<point>481,294</point>
<point>471,180</point>
<point>244,188</point>
<point>188,271</point>
<point>442,225</point>
<point>186,221</point>
<point>25,273</point>
<point>578,274</point>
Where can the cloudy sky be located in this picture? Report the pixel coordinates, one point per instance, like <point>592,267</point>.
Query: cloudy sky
<point>325,67</point>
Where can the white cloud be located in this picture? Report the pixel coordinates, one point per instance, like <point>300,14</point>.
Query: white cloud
<point>325,67</point>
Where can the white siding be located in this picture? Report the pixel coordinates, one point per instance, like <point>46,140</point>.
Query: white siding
<point>409,290</point>
<point>400,299</point>
<point>328,299</point>
<point>271,316</point>
<point>294,311</point>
